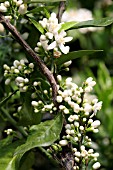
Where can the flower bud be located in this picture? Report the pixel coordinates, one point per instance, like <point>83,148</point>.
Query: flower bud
<point>22,9</point>
<point>63,142</point>
<point>96,165</point>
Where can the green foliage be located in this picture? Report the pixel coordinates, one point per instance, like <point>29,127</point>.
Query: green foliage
<point>91,23</point>
<point>75,54</point>
<point>7,148</point>
<point>43,134</point>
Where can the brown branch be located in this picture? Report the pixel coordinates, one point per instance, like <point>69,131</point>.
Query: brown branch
<point>29,50</point>
<point>61,10</point>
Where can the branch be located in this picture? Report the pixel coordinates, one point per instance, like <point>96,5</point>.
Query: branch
<point>61,10</point>
<point>37,59</point>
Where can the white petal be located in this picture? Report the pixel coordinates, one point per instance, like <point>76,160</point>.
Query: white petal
<point>67,39</point>
<point>64,49</point>
<point>52,45</point>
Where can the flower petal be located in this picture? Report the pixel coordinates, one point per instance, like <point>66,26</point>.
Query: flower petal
<point>64,49</point>
<point>52,45</point>
<point>67,39</point>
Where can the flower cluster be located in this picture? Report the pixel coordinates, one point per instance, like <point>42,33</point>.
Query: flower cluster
<point>19,72</point>
<point>17,4</point>
<point>79,113</point>
<point>53,38</point>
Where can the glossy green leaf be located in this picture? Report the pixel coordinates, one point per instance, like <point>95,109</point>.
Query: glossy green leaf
<point>75,54</point>
<point>37,25</point>
<point>90,23</point>
<point>43,134</point>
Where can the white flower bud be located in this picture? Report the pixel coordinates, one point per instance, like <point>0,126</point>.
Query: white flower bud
<point>96,165</point>
<point>26,80</point>
<point>59,99</point>
<point>77,159</point>
<point>19,79</point>
<point>3,8</point>
<point>34,103</point>
<point>95,130</point>
<point>67,126</point>
<point>22,9</point>
<point>90,151</point>
<point>66,111</point>
<point>43,38</point>
<point>31,65</point>
<point>7,81</point>
<point>18,3</point>
<point>76,124</point>
<point>81,128</point>
<point>61,107</point>
<point>49,35</point>
<point>16,63</point>
<point>7,4</point>
<point>75,139</point>
<point>72,132</point>
<point>59,78</point>
<point>16,71</point>
<point>39,44</point>
<point>95,124</point>
<point>63,142</point>
<point>68,131</point>
<point>66,64</point>
<point>2,29</point>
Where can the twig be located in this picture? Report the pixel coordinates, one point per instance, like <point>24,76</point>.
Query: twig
<point>29,50</point>
<point>61,9</point>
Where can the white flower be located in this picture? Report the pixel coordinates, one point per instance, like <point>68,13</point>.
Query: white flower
<point>87,107</point>
<point>60,41</point>
<point>96,165</point>
<point>52,24</point>
<point>97,106</point>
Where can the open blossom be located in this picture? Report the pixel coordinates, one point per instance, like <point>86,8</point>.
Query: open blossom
<point>53,38</point>
<point>60,41</point>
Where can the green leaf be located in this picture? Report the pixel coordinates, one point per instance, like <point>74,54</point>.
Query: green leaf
<point>7,149</point>
<point>90,23</point>
<point>75,54</point>
<point>37,25</point>
<point>27,115</point>
<point>39,9</point>
<point>43,134</point>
